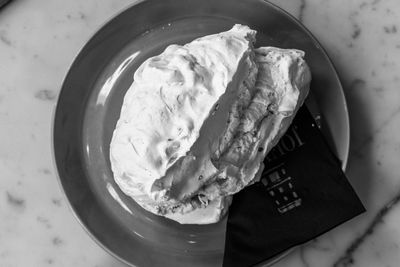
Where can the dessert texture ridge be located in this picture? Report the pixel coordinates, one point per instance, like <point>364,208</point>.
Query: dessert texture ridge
<point>198,120</point>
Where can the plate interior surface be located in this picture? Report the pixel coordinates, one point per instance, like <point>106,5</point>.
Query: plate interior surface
<point>89,107</point>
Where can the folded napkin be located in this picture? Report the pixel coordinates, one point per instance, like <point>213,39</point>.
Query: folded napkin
<point>302,194</point>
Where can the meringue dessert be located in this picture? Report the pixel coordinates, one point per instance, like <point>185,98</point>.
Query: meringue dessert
<point>198,120</point>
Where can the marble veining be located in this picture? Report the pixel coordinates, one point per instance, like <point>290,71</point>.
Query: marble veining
<point>358,150</point>
<point>15,201</point>
<point>46,95</point>
<point>57,202</point>
<point>347,258</point>
<point>44,221</point>
<point>38,42</point>
<point>302,8</point>
<point>57,241</point>
<point>4,39</point>
<point>355,26</point>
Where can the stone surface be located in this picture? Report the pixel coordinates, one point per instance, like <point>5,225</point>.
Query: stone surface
<point>38,41</point>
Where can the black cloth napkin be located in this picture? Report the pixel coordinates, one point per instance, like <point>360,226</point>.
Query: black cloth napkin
<point>302,194</point>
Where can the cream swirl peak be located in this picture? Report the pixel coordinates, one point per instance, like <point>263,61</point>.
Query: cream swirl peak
<point>194,120</point>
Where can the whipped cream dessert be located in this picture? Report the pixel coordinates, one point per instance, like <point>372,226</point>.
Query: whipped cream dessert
<point>198,120</point>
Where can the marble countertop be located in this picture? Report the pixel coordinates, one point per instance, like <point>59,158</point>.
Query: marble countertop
<point>38,41</point>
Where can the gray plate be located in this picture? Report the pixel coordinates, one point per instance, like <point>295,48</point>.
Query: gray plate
<point>90,101</point>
